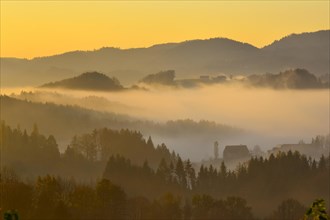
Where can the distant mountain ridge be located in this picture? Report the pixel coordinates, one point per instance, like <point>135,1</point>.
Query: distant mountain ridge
<point>87,81</point>
<point>189,59</point>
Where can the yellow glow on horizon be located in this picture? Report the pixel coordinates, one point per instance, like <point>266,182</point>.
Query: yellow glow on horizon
<point>36,28</point>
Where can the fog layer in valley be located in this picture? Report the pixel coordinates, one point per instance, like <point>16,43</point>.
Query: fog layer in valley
<point>269,116</point>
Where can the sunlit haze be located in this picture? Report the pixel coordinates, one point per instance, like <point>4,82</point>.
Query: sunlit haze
<point>40,28</point>
<point>174,109</point>
<point>291,114</point>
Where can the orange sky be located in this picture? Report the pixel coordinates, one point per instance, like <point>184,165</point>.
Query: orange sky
<point>36,28</point>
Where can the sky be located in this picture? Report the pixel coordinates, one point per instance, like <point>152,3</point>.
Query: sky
<point>42,28</point>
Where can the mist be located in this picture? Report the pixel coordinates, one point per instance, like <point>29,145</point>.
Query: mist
<point>203,127</point>
<point>269,116</point>
<point>259,110</point>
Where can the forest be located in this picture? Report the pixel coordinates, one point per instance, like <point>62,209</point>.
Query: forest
<point>164,110</point>
<point>68,117</point>
<point>118,174</point>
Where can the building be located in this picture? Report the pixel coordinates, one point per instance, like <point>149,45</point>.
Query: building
<point>236,154</point>
<point>310,150</point>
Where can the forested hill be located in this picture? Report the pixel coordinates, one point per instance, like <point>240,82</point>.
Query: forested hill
<point>64,121</point>
<point>172,185</point>
<point>33,153</point>
<point>88,81</point>
<point>288,79</point>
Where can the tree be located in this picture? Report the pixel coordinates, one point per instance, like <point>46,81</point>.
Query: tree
<point>190,175</point>
<point>201,206</point>
<point>223,170</point>
<point>322,164</point>
<point>170,207</point>
<point>180,173</point>
<point>83,201</point>
<point>187,210</point>
<point>111,200</point>
<point>163,171</point>
<point>47,195</point>
<point>139,208</point>
<point>164,78</point>
<point>236,208</point>
<point>150,144</point>
<point>15,194</point>
<point>146,168</point>
<point>10,215</point>
<point>289,209</point>
<point>317,211</point>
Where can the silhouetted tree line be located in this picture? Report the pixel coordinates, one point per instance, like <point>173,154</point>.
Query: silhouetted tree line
<point>289,79</point>
<point>259,177</point>
<point>161,78</point>
<point>177,176</point>
<point>85,157</point>
<point>65,121</point>
<point>281,176</point>
<point>28,152</point>
<point>102,143</point>
<point>50,197</point>
<point>124,158</point>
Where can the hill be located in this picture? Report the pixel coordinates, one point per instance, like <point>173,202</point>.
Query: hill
<point>188,59</point>
<point>289,79</point>
<point>307,50</point>
<point>161,78</point>
<point>87,81</point>
<point>62,121</point>
<point>65,121</point>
